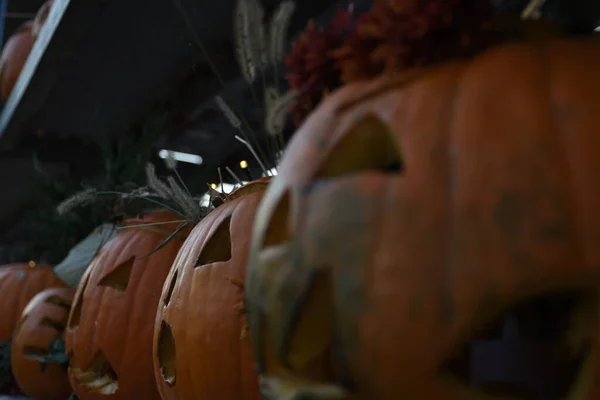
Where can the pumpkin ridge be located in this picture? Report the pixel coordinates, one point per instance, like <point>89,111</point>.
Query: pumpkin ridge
<point>451,171</point>
<point>382,85</point>
<point>558,126</point>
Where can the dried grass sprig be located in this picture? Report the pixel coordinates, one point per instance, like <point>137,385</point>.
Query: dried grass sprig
<point>241,37</point>
<point>169,191</point>
<point>154,183</point>
<point>278,31</point>
<point>228,112</point>
<point>250,38</point>
<point>186,202</point>
<point>79,199</point>
<point>171,162</point>
<point>249,147</point>
<point>278,109</point>
<point>233,175</point>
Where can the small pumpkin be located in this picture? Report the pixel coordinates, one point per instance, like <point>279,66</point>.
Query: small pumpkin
<point>13,58</point>
<point>41,17</point>
<point>198,350</point>
<point>110,328</point>
<point>415,211</point>
<point>19,283</point>
<point>43,322</point>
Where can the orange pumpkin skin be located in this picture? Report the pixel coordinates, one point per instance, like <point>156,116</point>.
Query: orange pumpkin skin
<point>19,283</point>
<point>109,333</point>
<point>198,350</point>
<point>41,17</point>
<point>14,56</point>
<point>496,203</point>
<point>46,312</point>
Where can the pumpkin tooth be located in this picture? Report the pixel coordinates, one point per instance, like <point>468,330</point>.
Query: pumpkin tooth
<point>99,382</point>
<point>109,389</point>
<point>83,377</point>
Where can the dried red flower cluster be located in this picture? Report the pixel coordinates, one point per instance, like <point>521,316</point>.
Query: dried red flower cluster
<point>392,36</point>
<point>313,70</point>
<point>400,34</point>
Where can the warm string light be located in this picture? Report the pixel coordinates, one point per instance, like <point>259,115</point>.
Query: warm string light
<point>244,166</point>
<point>32,263</point>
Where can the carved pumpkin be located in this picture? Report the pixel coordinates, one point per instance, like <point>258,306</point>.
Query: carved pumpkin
<point>14,56</point>
<point>109,334</point>
<point>41,17</point>
<point>43,321</point>
<point>198,351</point>
<point>19,283</point>
<point>414,211</point>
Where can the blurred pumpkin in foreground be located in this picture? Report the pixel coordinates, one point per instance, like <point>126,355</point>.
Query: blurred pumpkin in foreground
<point>429,224</point>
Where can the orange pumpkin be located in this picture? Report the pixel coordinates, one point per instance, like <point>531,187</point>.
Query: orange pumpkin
<point>41,17</point>
<point>110,328</point>
<point>43,321</point>
<point>198,351</point>
<point>19,283</point>
<point>14,56</point>
<point>414,211</point>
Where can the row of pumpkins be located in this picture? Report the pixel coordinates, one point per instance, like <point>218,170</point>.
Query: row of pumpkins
<point>17,48</point>
<point>118,344</point>
<point>408,211</point>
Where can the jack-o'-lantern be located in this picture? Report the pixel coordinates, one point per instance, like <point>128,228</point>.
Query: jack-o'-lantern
<point>110,328</point>
<point>434,233</point>
<point>42,323</point>
<point>200,346</point>
<point>19,283</point>
<point>14,56</point>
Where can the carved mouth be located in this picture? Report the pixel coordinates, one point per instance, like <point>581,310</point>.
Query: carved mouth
<point>539,349</point>
<point>100,377</point>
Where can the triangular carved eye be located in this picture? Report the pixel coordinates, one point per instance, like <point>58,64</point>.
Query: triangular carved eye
<point>118,278</point>
<point>218,247</point>
<point>370,145</point>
